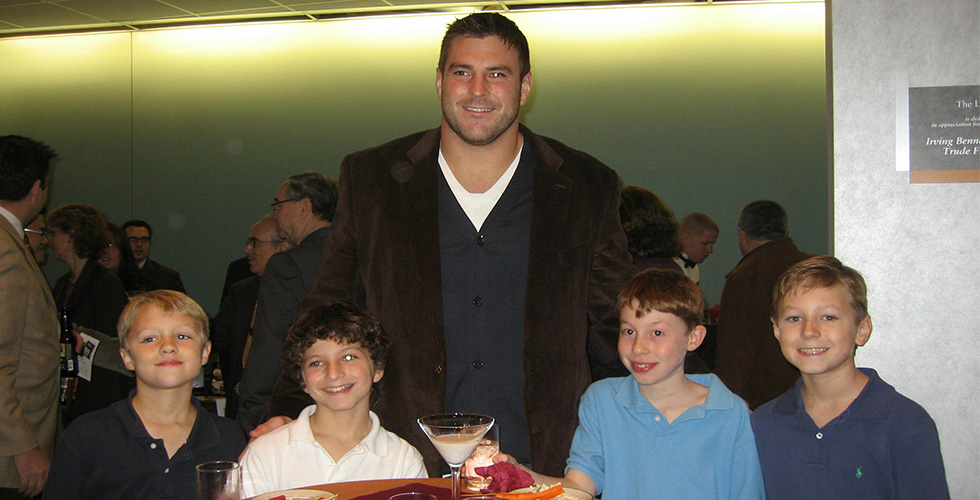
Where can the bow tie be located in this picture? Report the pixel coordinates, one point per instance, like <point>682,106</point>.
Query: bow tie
<point>688,262</point>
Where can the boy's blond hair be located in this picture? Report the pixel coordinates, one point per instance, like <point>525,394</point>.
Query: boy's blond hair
<point>822,271</point>
<point>169,303</point>
<point>663,290</point>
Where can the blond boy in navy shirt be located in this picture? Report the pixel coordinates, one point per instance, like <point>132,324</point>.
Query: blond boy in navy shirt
<point>841,432</point>
<point>147,446</point>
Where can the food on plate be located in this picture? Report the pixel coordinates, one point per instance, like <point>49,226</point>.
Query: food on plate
<point>538,492</point>
<point>506,477</point>
<point>315,497</point>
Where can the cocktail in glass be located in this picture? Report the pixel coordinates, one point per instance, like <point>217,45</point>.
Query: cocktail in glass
<point>455,435</point>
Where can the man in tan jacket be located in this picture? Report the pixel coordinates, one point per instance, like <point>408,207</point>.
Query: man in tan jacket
<point>29,346</point>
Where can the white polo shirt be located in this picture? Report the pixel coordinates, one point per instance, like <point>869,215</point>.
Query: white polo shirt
<point>290,457</point>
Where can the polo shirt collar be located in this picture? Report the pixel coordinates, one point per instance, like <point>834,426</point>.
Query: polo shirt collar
<point>375,442</point>
<point>203,435</point>
<point>719,397</point>
<point>871,403</point>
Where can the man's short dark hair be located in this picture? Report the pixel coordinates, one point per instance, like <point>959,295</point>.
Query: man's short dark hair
<point>482,25</point>
<point>138,223</point>
<point>23,162</point>
<point>320,189</point>
<point>763,220</point>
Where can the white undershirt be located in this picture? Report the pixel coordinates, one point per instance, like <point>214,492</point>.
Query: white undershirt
<point>477,206</point>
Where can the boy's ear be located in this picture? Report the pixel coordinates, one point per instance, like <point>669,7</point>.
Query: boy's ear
<point>696,337</point>
<point>864,331</point>
<point>378,374</point>
<point>205,353</point>
<point>775,328</point>
<point>127,361</point>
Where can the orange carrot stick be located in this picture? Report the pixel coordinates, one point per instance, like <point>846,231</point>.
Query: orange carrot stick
<point>548,493</point>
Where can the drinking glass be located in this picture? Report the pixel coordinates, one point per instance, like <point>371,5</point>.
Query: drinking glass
<point>455,435</point>
<point>482,456</point>
<point>220,480</point>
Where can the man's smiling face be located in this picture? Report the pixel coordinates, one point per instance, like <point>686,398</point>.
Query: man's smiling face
<point>481,89</point>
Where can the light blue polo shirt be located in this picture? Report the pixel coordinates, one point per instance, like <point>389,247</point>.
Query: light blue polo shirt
<point>625,445</point>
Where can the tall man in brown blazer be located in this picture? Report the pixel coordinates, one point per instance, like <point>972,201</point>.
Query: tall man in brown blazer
<point>29,349</point>
<point>492,256</point>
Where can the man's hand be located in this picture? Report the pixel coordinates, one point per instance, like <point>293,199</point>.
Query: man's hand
<point>268,426</point>
<point>32,466</point>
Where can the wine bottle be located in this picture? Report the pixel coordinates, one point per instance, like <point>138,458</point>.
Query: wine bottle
<point>69,358</point>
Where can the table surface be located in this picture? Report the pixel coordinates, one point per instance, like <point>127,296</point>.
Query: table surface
<point>352,489</point>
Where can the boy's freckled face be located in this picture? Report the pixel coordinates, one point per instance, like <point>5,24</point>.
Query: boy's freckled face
<point>339,376</point>
<point>654,346</point>
<point>165,351</point>
<point>818,330</point>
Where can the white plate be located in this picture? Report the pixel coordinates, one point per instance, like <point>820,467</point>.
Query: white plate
<point>298,495</point>
<point>569,494</point>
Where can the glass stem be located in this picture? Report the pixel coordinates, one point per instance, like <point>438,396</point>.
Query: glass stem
<point>456,478</point>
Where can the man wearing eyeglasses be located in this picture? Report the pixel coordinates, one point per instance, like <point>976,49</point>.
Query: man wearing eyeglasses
<point>302,211</point>
<point>140,235</point>
<point>232,326</point>
<point>29,349</point>
<point>38,235</point>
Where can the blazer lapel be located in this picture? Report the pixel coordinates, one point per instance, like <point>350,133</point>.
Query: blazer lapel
<point>420,217</point>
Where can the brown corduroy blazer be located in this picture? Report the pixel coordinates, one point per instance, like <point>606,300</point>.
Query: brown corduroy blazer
<point>383,251</point>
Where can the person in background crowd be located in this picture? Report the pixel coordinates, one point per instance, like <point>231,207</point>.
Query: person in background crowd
<point>748,359</point>
<point>38,238</point>
<point>118,258</point>
<point>238,270</point>
<point>232,326</point>
<point>79,236</point>
<point>698,236</point>
<point>29,348</point>
<point>302,211</point>
<point>651,229</point>
<point>140,236</point>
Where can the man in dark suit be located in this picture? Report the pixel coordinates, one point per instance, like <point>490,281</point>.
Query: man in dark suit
<point>232,326</point>
<point>491,255</point>
<point>140,236</point>
<point>28,325</point>
<point>748,357</point>
<point>302,211</point>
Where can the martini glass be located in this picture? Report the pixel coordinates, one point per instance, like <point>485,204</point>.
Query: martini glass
<point>455,436</point>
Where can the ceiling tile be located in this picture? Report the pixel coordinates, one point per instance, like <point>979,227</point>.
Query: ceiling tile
<point>43,15</point>
<point>125,10</point>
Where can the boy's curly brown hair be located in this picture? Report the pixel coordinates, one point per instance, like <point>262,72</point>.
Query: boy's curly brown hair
<point>341,322</point>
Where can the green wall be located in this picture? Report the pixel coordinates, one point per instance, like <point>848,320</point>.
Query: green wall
<point>710,106</point>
